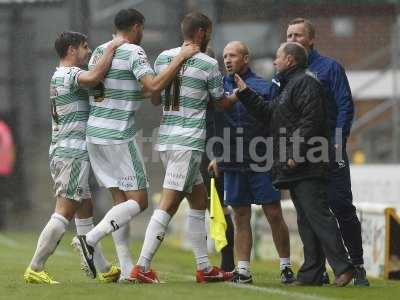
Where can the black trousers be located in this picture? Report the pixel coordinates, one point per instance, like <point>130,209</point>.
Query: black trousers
<point>340,200</point>
<point>318,231</point>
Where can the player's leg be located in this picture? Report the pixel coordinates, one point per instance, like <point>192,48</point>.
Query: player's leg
<point>269,198</point>
<point>175,164</point>
<point>125,174</point>
<point>70,189</point>
<point>84,223</point>
<point>238,196</point>
<point>198,235</point>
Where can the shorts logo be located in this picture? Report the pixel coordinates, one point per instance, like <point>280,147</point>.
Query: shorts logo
<point>341,164</point>
<point>160,236</point>
<point>114,225</point>
<point>79,191</point>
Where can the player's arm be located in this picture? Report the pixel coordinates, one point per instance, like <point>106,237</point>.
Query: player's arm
<point>93,77</point>
<point>156,98</point>
<point>152,84</point>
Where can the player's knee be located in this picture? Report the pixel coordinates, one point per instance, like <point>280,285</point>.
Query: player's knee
<point>242,216</point>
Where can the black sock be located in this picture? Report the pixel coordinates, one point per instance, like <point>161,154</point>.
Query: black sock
<point>227,257</point>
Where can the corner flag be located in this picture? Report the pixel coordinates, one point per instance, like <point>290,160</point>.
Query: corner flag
<point>217,219</point>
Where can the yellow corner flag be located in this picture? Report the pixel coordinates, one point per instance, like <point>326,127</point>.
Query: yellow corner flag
<point>217,219</point>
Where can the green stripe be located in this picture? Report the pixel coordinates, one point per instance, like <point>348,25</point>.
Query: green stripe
<point>108,113</point>
<point>79,135</point>
<point>193,83</point>
<point>120,74</point>
<point>122,54</point>
<point>123,95</point>
<point>137,167</point>
<point>184,122</point>
<point>190,178</point>
<point>215,82</point>
<point>73,179</point>
<point>192,103</point>
<point>182,141</point>
<point>77,116</point>
<point>110,134</point>
<point>192,62</point>
<point>81,95</point>
<point>70,153</point>
<point>57,81</point>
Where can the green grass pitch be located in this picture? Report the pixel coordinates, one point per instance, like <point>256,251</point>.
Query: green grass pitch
<point>175,267</point>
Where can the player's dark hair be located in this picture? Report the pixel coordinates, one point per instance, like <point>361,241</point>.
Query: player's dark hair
<point>192,22</point>
<point>66,39</point>
<point>126,18</point>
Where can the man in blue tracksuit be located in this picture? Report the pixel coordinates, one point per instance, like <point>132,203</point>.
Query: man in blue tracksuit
<point>340,113</point>
<point>247,182</point>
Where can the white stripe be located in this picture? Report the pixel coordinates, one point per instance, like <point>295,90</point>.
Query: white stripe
<point>117,104</point>
<point>276,291</point>
<point>73,107</point>
<point>73,144</point>
<point>120,64</point>
<point>110,123</point>
<point>186,112</point>
<point>8,242</point>
<point>188,132</point>
<point>125,85</point>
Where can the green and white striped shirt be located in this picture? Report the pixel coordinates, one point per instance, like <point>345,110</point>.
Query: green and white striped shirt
<point>114,101</point>
<point>183,125</point>
<point>70,111</point>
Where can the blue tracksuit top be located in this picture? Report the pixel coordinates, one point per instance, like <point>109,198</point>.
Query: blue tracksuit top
<point>333,77</point>
<point>238,117</point>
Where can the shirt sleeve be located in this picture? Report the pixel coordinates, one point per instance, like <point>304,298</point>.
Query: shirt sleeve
<point>340,89</point>
<point>139,64</point>
<point>74,74</point>
<point>215,85</point>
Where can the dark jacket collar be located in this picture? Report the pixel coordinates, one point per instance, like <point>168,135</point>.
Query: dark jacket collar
<point>249,73</point>
<point>312,55</point>
<point>285,76</point>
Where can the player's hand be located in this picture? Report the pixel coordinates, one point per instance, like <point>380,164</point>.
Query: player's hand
<point>189,49</point>
<point>240,83</point>
<point>118,41</point>
<point>291,163</point>
<point>213,167</point>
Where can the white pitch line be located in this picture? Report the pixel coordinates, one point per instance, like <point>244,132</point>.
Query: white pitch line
<point>8,242</point>
<point>266,290</point>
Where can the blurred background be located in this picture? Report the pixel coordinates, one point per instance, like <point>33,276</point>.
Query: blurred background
<point>362,35</point>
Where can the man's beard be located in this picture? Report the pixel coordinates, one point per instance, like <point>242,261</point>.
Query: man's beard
<point>203,47</point>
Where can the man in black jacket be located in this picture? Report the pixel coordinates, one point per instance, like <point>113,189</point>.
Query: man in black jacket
<point>299,127</point>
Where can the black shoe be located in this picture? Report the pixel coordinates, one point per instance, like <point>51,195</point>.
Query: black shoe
<point>86,253</point>
<point>287,275</point>
<point>325,278</point>
<point>360,277</point>
<point>240,278</point>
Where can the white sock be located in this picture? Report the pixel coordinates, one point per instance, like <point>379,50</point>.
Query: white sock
<point>121,242</point>
<point>155,233</point>
<point>48,241</point>
<point>115,218</point>
<point>284,262</point>
<point>244,267</point>
<point>198,237</point>
<point>83,226</point>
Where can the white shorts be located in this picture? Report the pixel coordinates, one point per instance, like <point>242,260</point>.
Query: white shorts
<point>118,166</point>
<point>71,178</point>
<point>182,169</point>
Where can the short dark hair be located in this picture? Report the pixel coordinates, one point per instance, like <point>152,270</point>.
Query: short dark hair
<point>126,18</point>
<point>307,24</point>
<point>193,22</point>
<point>66,39</point>
<point>298,52</point>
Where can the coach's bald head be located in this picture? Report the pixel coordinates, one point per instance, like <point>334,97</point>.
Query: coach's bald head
<point>236,57</point>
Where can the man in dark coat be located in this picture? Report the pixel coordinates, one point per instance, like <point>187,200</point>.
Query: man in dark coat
<point>298,121</point>
<point>340,115</point>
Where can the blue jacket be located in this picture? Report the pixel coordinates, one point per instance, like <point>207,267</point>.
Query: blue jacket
<point>238,117</point>
<point>340,102</point>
